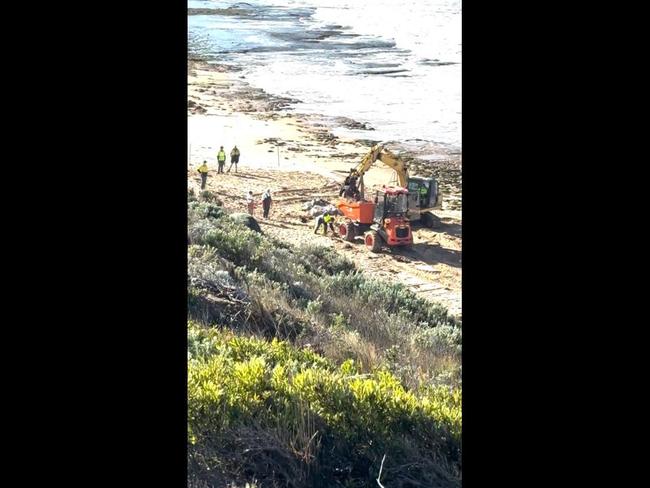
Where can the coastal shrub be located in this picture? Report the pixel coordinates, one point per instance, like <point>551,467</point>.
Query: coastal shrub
<point>354,419</point>
<point>394,298</point>
<point>323,260</point>
<point>248,221</point>
<point>444,339</point>
<point>234,243</point>
<point>204,265</point>
<point>208,196</point>
<point>309,292</point>
<point>202,210</point>
<point>380,374</point>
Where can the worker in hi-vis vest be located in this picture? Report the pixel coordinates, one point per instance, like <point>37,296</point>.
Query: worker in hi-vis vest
<point>424,193</point>
<point>221,159</point>
<point>203,171</point>
<point>324,220</point>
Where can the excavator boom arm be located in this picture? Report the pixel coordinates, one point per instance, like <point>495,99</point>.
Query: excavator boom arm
<point>391,160</point>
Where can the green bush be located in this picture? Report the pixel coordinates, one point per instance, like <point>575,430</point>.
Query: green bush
<point>235,243</point>
<point>208,196</point>
<point>323,260</point>
<point>204,210</point>
<point>443,339</point>
<point>394,298</point>
<point>235,381</point>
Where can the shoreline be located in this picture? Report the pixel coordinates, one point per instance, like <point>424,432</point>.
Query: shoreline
<point>272,133</point>
<point>439,152</point>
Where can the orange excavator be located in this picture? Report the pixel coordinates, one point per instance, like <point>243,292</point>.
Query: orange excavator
<point>386,219</point>
<point>381,221</point>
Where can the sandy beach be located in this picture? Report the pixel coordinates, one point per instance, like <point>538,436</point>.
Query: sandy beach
<point>299,159</point>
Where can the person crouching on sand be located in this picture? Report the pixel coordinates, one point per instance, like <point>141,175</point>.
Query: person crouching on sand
<point>250,202</point>
<point>327,219</point>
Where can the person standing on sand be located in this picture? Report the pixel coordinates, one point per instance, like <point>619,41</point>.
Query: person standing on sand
<point>250,203</point>
<point>221,159</point>
<point>234,158</point>
<point>266,202</point>
<point>203,171</point>
<point>351,191</point>
<point>346,183</point>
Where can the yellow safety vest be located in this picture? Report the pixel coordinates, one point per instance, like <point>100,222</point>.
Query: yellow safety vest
<point>327,218</point>
<point>221,156</point>
<point>203,168</point>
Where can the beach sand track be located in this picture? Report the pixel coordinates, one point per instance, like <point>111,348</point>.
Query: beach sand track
<point>431,268</point>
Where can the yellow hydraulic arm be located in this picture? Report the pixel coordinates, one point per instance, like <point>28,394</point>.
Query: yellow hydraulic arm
<point>379,152</point>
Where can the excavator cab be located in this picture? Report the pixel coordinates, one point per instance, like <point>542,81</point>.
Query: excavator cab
<point>390,202</point>
<point>423,193</point>
<point>392,227</point>
<point>424,196</point>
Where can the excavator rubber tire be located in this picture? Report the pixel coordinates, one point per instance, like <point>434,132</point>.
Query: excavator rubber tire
<point>372,241</point>
<point>347,231</point>
<point>342,229</point>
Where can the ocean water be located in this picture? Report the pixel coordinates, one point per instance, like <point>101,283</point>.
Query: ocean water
<point>395,65</point>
